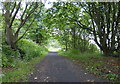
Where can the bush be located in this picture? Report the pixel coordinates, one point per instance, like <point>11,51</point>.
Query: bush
<point>30,48</point>
<point>74,51</point>
<point>92,48</point>
<point>16,69</point>
<point>8,56</point>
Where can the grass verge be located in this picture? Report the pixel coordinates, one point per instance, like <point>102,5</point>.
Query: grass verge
<point>96,63</point>
<point>21,72</point>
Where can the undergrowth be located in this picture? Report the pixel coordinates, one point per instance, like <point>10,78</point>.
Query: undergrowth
<point>16,69</point>
<point>21,71</point>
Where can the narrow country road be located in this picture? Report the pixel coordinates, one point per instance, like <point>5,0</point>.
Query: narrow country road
<point>56,68</point>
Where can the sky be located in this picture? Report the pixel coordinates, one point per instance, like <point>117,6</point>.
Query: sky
<point>0,7</point>
<point>46,2</point>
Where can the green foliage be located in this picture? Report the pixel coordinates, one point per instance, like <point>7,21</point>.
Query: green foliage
<point>8,56</point>
<point>92,48</point>
<point>116,53</point>
<point>30,48</point>
<point>59,16</point>
<point>18,69</point>
<point>74,51</point>
<point>38,34</point>
<point>21,71</point>
<point>111,76</point>
<point>76,54</point>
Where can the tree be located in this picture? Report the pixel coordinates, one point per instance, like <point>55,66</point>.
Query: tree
<point>16,16</point>
<point>63,15</point>
<point>39,33</point>
<point>105,18</point>
<point>100,20</point>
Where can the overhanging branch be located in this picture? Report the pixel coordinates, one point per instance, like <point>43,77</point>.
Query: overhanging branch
<point>14,15</point>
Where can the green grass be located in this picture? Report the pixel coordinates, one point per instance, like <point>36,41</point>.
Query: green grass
<point>21,70</point>
<point>94,63</point>
<point>81,56</point>
<point>84,59</point>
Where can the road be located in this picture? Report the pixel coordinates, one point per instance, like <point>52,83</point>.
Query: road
<point>56,68</point>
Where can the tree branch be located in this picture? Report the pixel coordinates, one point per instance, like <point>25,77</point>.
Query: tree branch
<point>13,9</point>
<point>25,31</point>
<point>15,15</point>
<point>26,18</point>
<point>83,26</point>
<point>24,12</point>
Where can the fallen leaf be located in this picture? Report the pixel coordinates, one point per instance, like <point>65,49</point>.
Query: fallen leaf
<point>92,80</point>
<point>35,78</point>
<point>88,80</point>
<point>47,77</point>
<point>44,79</point>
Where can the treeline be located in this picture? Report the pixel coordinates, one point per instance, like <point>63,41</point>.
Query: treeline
<point>79,22</point>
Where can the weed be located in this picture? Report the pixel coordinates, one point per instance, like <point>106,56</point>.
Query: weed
<point>110,76</point>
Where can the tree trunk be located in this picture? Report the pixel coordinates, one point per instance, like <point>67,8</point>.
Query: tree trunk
<point>74,37</point>
<point>107,53</point>
<point>66,46</point>
<point>10,38</point>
